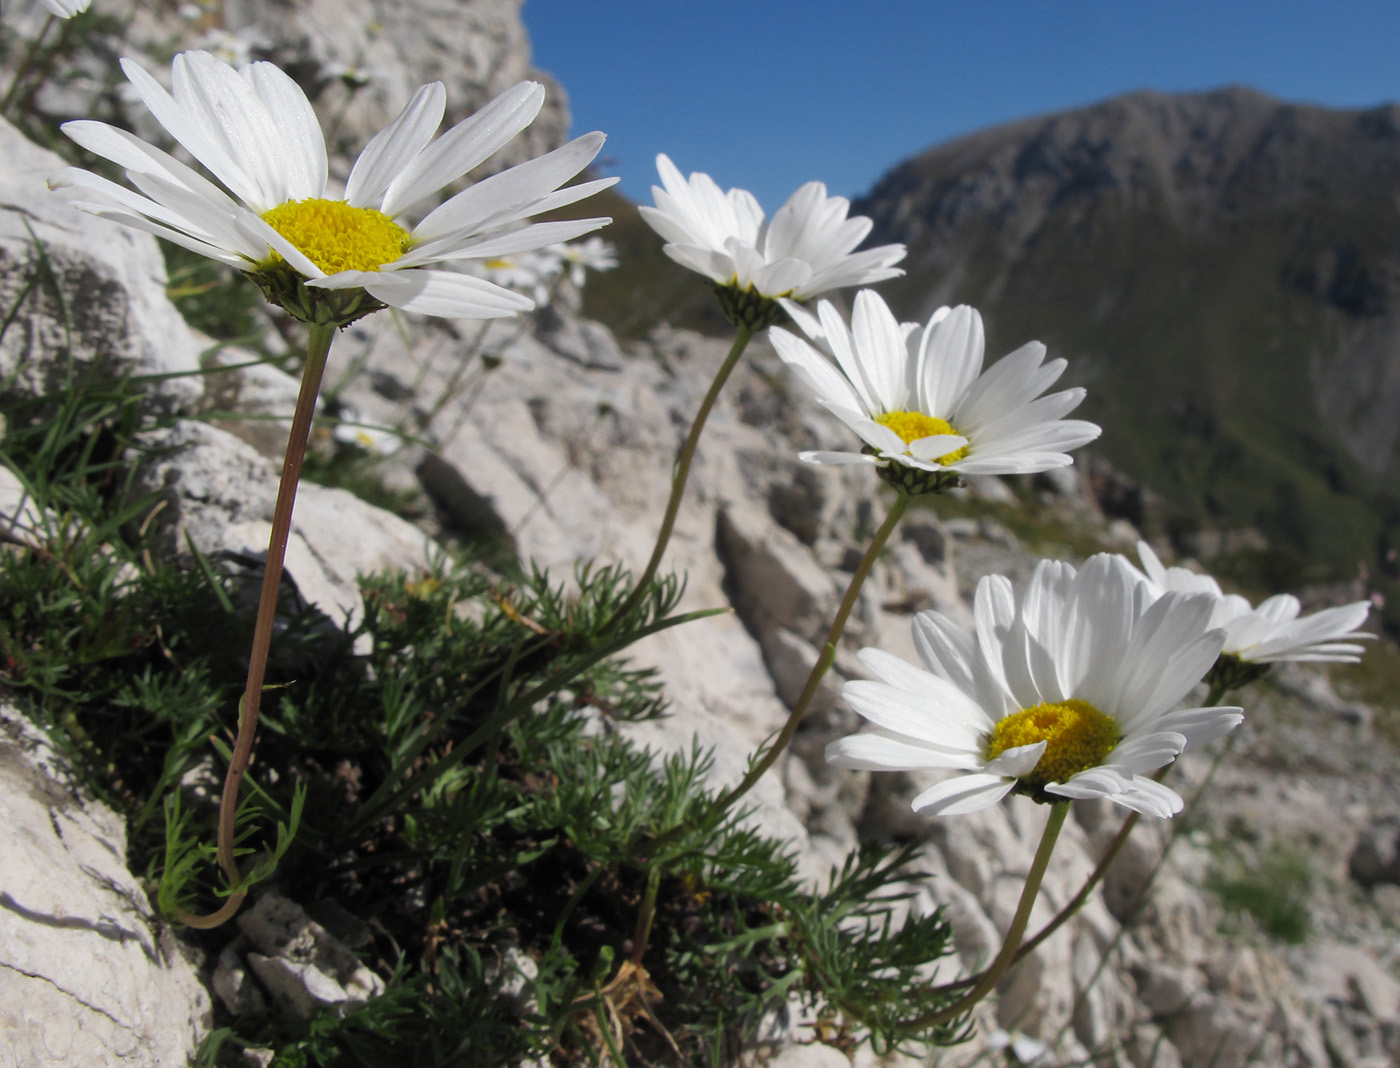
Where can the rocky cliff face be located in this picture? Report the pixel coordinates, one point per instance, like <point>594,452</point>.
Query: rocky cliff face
<point>1222,269</point>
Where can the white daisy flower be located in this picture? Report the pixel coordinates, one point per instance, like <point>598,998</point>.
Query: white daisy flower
<point>236,49</point>
<point>525,272</point>
<point>66,9</point>
<point>807,249</point>
<point>1064,692</point>
<point>591,254</point>
<point>1271,633</point>
<point>1024,1049</point>
<point>329,257</point>
<point>377,441</point>
<point>920,401</point>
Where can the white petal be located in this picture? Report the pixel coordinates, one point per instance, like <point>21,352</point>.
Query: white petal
<point>178,237</point>
<point>902,675</point>
<point>874,751</point>
<point>1150,798</point>
<point>716,266</point>
<point>444,293</point>
<point>949,359</point>
<point>1148,752</point>
<point>1017,761</point>
<point>936,445</point>
<point>505,243</point>
<point>230,115</point>
<point>1200,726</point>
<point>204,143</point>
<point>258,229</point>
<point>879,345</point>
<point>963,794</point>
<point>469,143</point>
<point>1095,782</point>
<point>820,376</point>
<point>135,156</point>
<point>837,459</point>
<point>390,150</point>
<point>852,363</point>
<point>937,716</point>
<point>300,144</point>
<point>503,194</point>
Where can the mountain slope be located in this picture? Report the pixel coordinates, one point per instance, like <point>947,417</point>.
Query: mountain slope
<point>1222,271</point>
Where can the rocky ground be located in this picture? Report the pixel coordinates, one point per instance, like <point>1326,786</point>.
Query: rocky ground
<point>564,447</point>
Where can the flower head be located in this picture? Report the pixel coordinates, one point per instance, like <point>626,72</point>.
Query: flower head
<point>591,254</point>
<point>1063,692</point>
<point>1271,633</point>
<point>377,441</point>
<point>324,256</point>
<point>808,248</point>
<point>919,399</point>
<point>524,272</point>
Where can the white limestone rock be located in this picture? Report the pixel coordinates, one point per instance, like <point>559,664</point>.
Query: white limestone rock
<point>88,974</point>
<point>88,295</point>
<point>220,493</point>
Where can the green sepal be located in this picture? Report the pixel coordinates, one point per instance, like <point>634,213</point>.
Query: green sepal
<point>748,307</point>
<point>286,288</point>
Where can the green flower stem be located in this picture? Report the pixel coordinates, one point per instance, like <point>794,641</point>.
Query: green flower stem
<point>809,691</point>
<point>317,348</point>
<point>682,471</point>
<point>1143,890</point>
<point>31,59</point>
<point>646,914</point>
<point>989,978</point>
<point>1217,694</point>
<point>821,667</point>
<point>780,743</point>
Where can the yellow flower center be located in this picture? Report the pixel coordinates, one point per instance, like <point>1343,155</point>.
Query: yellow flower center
<point>1077,735</point>
<point>338,237</point>
<point>911,426</point>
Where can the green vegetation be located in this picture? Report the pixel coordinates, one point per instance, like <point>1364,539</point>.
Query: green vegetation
<point>1043,532</point>
<point>465,787</point>
<point>1376,682</point>
<point>1274,889</point>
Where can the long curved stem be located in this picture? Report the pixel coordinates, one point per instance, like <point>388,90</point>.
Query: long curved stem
<point>317,349</point>
<point>716,811</point>
<point>824,661</point>
<point>27,64</point>
<point>682,471</point>
<point>1014,933</point>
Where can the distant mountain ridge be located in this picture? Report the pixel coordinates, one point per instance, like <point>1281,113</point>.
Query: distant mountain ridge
<point>1222,269</point>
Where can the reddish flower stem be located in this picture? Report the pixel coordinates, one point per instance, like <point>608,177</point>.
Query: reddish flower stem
<point>318,347</point>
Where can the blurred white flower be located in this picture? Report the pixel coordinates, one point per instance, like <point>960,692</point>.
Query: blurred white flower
<point>353,75</point>
<point>327,258</point>
<point>1274,631</point>
<point>1026,1050</point>
<point>808,248</point>
<point>66,9</point>
<point>579,257</point>
<point>374,440</point>
<point>529,273</point>
<point>232,48</point>
<point>1065,691</point>
<point>920,401</point>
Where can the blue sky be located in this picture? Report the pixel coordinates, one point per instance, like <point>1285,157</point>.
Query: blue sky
<point>768,95</point>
